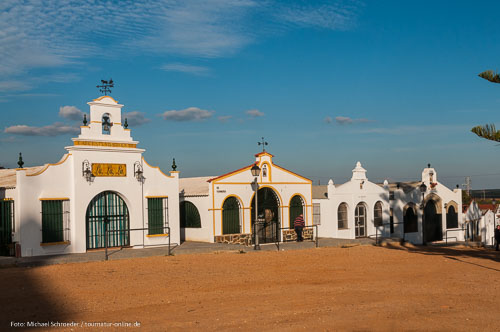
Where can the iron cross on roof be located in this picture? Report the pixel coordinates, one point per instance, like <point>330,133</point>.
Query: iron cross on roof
<point>263,143</point>
<point>105,87</point>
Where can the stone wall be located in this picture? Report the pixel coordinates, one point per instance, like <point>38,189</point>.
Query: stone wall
<point>244,239</point>
<point>290,235</point>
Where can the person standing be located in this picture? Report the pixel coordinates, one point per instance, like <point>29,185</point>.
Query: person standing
<point>299,224</point>
<point>497,237</point>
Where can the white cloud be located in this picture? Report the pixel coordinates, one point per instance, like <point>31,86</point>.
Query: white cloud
<point>340,15</point>
<point>135,118</point>
<point>345,120</point>
<point>71,112</point>
<point>54,34</point>
<point>183,68</point>
<point>328,119</point>
<point>224,118</point>
<point>188,114</point>
<point>55,129</point>
<point>254,113</point>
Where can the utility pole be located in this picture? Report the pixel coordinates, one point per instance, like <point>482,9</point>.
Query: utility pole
<point>467,185</point>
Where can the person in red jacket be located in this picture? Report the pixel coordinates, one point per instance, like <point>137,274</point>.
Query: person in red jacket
<point>299,224</point>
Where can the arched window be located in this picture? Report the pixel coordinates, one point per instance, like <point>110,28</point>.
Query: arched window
<point>451,217</point>
<point>106,124</point>
<point>410,219</point>
<point>296,208</point>
<point>189,215</point>
<point>342,216</point>
<point>377,214</point>
<point>231,216</point>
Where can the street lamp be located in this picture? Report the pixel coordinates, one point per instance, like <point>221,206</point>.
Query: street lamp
<point>255,173</point>
<point>423,189</point>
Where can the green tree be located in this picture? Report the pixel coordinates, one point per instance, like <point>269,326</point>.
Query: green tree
<point>488,131</point>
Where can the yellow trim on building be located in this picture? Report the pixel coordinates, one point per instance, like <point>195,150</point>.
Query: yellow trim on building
<point>157,235</point>
<point>156,196</point>
<point>158,168</point>
<point>47,244</point>
<point>48,165</point>
<point>105,144</point>
<point>102,97</point>
<point>6,199</point>
<point>54,199</point>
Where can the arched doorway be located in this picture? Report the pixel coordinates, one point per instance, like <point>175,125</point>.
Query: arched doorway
<point>432,223</point>
<point>107,210</point>
<point>360,220</point>
<point>231,216</point>
<point>296,208</point>
<point>268,205</point>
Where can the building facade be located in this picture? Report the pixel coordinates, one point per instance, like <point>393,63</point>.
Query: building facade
<point>225,205</point>
<point>360,208</point>
<point>102,189</point>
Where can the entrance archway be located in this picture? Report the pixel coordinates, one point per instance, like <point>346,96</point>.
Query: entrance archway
<point>296,208</point>
<point>360,220</point>
<point>432,223</point>
<point>268,205</point>
<point>107,210</point>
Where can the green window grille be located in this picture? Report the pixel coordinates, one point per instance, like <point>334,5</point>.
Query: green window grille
<point>190,217</point>
<point>296,209</point>
<point>52,221</point>
<point>231,216</point>
<point>6,225</point>
<point>157,215</point>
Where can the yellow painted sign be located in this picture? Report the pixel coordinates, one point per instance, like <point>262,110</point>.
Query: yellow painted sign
<point>109,170</point>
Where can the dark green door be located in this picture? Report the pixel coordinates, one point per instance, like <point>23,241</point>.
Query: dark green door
<point>231,216</point>
<point>6,214</point>
<point>296,208</point>
<point>433,223</point>
<point>107,211</point>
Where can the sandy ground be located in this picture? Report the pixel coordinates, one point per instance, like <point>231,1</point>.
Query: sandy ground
<point>326,289</point>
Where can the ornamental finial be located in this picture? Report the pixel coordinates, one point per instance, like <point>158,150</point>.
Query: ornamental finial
<point>20,162</point>
<point>85,119</point>
<point>174,166</point>
<point>125,124</point>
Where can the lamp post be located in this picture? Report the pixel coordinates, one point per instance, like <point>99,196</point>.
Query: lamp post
<point>255,173</point>
<point>423,189</point>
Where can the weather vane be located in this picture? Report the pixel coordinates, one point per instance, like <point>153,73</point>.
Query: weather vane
<point>105,87</point>
<point>263,143</point>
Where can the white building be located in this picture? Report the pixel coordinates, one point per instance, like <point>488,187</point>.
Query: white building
<point>222,208</point>
<point>101,182</point>
<point>360,208</point>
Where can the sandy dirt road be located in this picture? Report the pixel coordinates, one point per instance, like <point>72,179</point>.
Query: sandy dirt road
<point>326,289</point>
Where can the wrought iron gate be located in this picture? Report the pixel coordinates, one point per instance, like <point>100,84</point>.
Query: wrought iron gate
<point>107,211</point>
<point>269,221</point>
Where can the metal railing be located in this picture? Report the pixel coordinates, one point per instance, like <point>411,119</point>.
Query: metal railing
<point>315,238</point>
<point>454,230</point>
<point>167,234</point>
<point>387,224</point>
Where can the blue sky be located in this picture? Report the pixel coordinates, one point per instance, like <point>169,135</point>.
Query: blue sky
<point>392,84</point>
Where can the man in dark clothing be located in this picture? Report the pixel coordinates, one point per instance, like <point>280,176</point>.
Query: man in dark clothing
<point>298,224</point>
<point>497,237</point>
